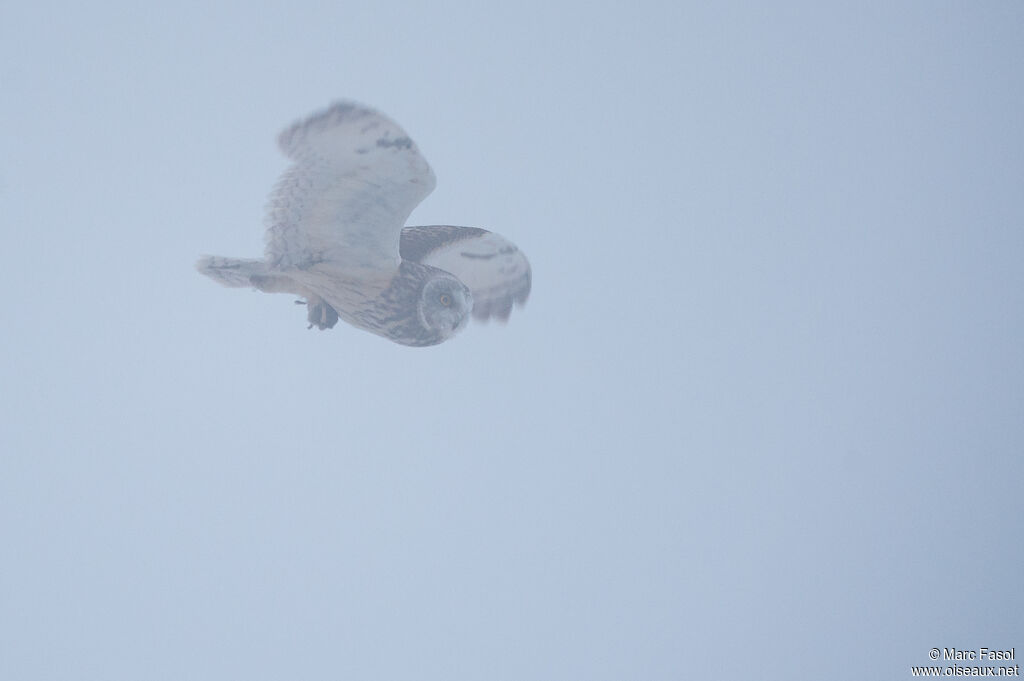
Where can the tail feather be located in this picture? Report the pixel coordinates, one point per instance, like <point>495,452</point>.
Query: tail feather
<point>235,272</point>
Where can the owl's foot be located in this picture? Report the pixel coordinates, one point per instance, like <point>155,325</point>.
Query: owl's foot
<point>321,315</point>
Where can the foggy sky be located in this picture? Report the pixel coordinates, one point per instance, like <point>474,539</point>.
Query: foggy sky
<point>761,417</point>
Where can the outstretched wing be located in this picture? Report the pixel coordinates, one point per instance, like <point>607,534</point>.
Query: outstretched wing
<point>496,272</point>
<point>356,178</point>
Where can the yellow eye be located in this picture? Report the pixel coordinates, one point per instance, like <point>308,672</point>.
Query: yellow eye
<point>446,299</point>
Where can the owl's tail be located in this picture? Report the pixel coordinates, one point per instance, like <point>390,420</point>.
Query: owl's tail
<point>236,272</point>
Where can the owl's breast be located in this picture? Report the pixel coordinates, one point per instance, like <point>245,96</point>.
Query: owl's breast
<point>398,305</point>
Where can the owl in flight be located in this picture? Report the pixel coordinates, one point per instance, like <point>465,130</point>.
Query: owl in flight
<point>336,238</point>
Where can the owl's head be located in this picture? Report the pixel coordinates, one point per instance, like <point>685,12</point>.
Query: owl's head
<point>444,305</point>
<point>429,305</point>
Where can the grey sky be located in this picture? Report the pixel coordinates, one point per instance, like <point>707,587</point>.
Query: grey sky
<point>761,418</point>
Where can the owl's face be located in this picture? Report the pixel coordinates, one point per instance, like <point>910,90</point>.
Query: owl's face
<point>444,306</point>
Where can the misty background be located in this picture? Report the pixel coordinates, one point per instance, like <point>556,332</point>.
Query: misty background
<point>762,417</point>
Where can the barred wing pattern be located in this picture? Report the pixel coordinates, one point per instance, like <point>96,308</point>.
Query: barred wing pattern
<point>357,176</point>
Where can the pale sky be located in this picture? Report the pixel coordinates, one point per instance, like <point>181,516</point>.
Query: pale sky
<point>762,417</point>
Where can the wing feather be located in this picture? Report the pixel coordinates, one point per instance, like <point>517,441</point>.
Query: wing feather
<point>496,272</point>
<point>356,178</point>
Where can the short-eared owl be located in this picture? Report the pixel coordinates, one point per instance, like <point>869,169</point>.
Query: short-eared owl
<point>335,237</point>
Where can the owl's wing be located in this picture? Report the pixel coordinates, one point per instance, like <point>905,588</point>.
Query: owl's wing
<point>496,272</point>
<point>356,178</point>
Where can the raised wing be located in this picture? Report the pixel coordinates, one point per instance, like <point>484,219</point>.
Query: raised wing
<point>496,272</point>
<point>356,178</point>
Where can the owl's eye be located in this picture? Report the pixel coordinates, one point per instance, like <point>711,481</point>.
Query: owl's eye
<point>446,299</point>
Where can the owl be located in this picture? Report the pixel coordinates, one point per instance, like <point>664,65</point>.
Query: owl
<point>335,238</point>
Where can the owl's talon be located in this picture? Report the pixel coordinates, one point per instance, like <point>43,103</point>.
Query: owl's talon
<point>321,315</point>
